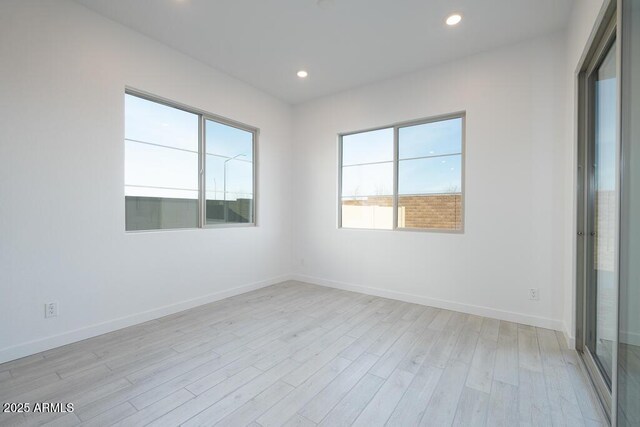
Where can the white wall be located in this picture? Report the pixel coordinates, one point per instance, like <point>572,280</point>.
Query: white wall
<point>515,223</point>
<point>581,23</point>
<point>62,238</point>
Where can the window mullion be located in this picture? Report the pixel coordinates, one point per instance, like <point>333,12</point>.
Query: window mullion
<point>396,132</point>
<point>340,171</point>
<point>202,198</point>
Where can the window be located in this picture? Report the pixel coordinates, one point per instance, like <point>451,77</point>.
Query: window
<point>407,176</point>
<point>367,179</point>
<point>185,169</point>
<point>229,171</point>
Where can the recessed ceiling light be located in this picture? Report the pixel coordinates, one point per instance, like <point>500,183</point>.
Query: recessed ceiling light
<point>302,74</point>
<point>454,19</point>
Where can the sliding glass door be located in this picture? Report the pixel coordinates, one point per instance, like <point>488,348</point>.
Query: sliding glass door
<point>608,223</point>
<point>599,208</point>
<point>628,372</point>
<point>602,216</point>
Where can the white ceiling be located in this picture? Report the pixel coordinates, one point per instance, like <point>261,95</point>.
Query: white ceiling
<point>342,43</point>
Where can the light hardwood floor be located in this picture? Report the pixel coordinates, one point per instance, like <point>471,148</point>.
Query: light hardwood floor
<point>299,354</point>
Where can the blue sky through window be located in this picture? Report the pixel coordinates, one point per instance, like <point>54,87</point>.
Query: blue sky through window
<point>434,175</point>
<point>430,139</point>
<point>368,147</point>
<point>430,160</point>
<point>161,154</point>
<point>231,149</point>
<point>156,123</point>
<point>606,134</point>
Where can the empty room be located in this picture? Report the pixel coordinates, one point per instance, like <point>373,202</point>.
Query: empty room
<point>320,213</point>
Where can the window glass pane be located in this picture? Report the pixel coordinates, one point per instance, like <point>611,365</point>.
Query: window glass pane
<point>367,212</point>
<point>603,275</point>
<point>430,193</point>
<point>430,139</point>
<point>155,123</point>
<point>368,147</point>
<point>229,174</point>
<point>432,175</point>
<point>161,166</point>
<point>227,141</point>
<point>160,171</point>
<point>368,180</point>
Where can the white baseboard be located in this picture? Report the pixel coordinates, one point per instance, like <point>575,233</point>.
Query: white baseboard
<point>47,343</point>
<point>510,316</point>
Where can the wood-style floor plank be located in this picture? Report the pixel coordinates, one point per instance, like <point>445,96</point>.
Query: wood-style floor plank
<point>472,408</point>
<point>324,401</point>
<point>350,407</point>
<point>381,406</point>
<point>503,405</point>
<point>506,368</point>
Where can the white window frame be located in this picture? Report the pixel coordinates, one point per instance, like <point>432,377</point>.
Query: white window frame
<point>202,164</point>
<point>396,127</point>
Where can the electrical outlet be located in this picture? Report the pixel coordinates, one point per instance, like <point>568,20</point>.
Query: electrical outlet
<point>51,309</point>
<point>533,294</point>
